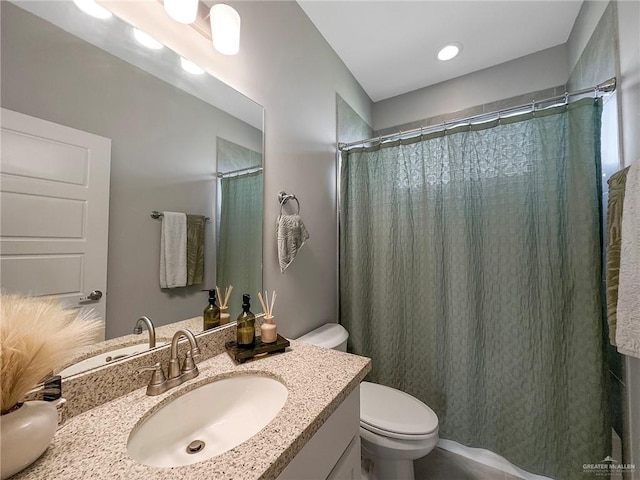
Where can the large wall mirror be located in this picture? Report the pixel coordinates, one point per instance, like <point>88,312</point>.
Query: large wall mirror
<point>176,142</point>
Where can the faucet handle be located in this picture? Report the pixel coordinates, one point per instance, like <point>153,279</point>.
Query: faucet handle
<point>188,364</point>
<point>189,369</point>
<point>194,353</point>
<point>158,380</point>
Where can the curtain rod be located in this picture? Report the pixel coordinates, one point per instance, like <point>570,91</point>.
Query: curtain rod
<point>604,87</point>
<point>257,168</point>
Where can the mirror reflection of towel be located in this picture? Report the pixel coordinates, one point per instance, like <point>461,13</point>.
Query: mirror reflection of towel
<point>292,235</point>
<point>195,249</point>
<point>173,250</point>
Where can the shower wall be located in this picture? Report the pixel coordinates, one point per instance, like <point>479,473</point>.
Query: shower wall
<point>609,34</point>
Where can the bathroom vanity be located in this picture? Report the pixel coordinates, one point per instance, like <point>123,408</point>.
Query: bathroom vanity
<point>315,435</point>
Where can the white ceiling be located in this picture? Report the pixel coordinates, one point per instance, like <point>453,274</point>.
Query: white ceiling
<point>390,46</point>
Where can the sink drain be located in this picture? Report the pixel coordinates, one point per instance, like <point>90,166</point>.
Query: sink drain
<point>195,447</point>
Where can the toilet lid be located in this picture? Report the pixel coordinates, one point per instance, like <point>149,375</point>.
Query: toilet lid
<point>390,412</point>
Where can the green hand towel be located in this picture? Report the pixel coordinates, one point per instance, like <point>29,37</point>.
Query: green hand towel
<point>195,249</point>
<point>617,183</point>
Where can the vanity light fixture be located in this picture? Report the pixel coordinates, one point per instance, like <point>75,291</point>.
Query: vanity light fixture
<point>190,66</point>
<point>182,11</point>
<point>90,7</point>
<point>449,51</point>
<point>225,29</point>
<point>146,40</point>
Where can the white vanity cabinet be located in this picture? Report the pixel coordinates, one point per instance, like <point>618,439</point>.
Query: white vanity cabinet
<point>333,453</point>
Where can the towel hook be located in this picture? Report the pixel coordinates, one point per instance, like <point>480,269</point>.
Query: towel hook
<point>284,197</point>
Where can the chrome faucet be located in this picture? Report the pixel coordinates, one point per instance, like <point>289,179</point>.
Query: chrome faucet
<point>176,374</point>
<point>152,331</point>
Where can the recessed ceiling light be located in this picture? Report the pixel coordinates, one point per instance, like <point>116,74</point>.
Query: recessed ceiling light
<point>147,40</point>
<point>90,7</point>
<point>449,51</point>
<point>190,66</point>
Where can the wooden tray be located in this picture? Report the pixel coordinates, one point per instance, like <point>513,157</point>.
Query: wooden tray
<point>241,355</point>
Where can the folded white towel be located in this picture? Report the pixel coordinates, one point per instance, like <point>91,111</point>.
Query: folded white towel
<point>628,313</point>
<point>292,235</point>
<point>173,250</point>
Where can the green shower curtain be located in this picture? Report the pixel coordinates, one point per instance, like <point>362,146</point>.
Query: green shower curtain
<point>239,257</point>
<point>470,274</point>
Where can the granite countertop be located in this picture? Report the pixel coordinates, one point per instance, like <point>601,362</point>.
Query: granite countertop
<point>93,445</point>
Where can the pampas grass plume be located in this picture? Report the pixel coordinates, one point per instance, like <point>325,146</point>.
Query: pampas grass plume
<point>37,336</point>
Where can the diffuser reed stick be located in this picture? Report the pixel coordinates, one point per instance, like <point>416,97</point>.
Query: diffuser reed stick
<point>273,302</point>
<point>224,302</point>
<point>219,297</point>
<point>264,307</point>
<point>267,307</point>
<point>227,294</point>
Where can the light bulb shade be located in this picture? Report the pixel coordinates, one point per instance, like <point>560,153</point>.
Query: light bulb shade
<point>225,29</point>
<point>190,67</point>
<point>90,7</point>
<point>183,11</point>
<point>146,40</point>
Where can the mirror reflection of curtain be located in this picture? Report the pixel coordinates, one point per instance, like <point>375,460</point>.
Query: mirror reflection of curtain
<point>470,273</point>
<point>239,258</point>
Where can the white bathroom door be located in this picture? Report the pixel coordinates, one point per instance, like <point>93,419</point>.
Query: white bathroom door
<point>54,211</point>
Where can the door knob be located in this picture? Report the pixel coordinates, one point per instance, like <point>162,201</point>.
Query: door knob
<point>95,295</point>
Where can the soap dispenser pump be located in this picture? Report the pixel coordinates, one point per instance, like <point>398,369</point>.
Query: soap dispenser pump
<point>246,326</point>
<point>211,314</point>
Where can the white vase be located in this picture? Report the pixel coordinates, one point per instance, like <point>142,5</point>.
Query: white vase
<point>25,434</point>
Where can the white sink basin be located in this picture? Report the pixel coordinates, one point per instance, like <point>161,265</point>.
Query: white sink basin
<point>105,358</point>
<point>207,421</point>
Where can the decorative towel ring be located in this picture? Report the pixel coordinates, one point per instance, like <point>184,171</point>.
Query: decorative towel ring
<point>284,197</point>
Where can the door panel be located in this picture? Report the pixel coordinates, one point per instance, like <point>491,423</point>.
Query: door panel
<point>54,210</point>
<point>49,217</point>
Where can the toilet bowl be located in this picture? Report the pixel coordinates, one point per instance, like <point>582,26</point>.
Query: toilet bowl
<point>395,428</point>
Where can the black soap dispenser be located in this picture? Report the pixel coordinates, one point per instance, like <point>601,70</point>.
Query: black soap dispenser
<point>246,326</point>
<point>211,314</point>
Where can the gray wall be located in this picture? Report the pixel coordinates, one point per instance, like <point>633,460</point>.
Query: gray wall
<point>628,51</point>
<point>629,100</point>
<point>538,71</point>
<point>605,42</point>
<point>286,65</point>
<point>351,127</point>
<point>163,153</point>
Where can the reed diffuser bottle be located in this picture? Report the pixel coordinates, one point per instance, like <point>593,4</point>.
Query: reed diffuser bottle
<point>246,326</point>
<point>211,314</point>
<point>224,304</point>
<point>268,330</point>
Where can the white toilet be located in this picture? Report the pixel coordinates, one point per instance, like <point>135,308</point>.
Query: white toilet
<point>395,428</point>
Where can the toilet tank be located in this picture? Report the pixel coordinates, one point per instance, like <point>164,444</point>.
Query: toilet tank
<point>329,335</point>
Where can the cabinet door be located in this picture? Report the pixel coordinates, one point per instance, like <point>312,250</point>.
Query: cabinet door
<point>320,456</point>
<point>348,467</point>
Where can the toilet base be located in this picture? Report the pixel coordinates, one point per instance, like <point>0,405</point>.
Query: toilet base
<point>392,459</point>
